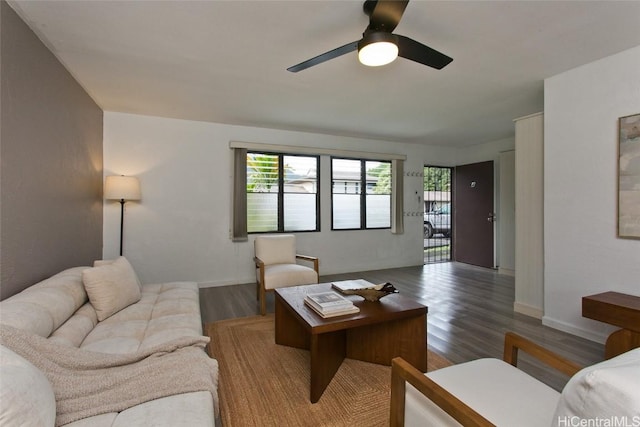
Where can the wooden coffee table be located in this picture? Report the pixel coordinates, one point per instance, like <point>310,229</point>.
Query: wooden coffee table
<point>394,326</point>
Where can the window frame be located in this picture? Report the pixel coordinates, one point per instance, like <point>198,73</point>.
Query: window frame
<point>363,193</point>
<point>281,192</point>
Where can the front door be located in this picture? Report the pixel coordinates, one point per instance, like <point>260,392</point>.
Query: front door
<point>474,214</point>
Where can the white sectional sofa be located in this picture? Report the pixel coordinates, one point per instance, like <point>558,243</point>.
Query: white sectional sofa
<point>75,309</point>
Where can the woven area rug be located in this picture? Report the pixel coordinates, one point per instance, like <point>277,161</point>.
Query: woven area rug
<point>265,384</point>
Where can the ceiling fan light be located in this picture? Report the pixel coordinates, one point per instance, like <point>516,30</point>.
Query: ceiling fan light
<point>376,54</point>
<point>377,49</point>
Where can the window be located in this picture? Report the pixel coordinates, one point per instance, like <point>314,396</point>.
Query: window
<point>282,193</point>
<point>276,184</point>
<point>353,208</point>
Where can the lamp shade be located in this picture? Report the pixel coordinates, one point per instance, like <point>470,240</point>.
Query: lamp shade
<point>120,187</point>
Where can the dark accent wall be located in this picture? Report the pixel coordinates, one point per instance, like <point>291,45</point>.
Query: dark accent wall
<point>50,162</point>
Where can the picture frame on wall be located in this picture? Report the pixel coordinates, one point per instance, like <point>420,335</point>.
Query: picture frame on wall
<point>629,176</point>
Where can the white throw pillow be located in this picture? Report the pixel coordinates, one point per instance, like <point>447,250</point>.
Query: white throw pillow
<point>101,262</point>
<point>26,396</point>
<point>608,390</point>
<point>111,287</point>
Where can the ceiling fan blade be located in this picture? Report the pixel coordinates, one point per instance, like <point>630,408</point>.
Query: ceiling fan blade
<point>415,51</point>
<point>386,14</point>
<point>349,47</point>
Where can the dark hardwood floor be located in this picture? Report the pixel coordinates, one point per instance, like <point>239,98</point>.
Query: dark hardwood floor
<point>470,309</point>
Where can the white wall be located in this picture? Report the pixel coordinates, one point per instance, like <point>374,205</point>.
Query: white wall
<point>180,228</point>
<point>583,256</point>
<point>487,151</point>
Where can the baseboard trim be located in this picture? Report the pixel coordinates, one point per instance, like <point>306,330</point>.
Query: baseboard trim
<point>573,330</point>
<point>507,271</point>
<point>222,283</point>
<point>528,310</point>
<point>349,269</point>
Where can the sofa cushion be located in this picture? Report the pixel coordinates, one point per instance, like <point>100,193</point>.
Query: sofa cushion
<point>43,307</point>
<point>102,420</point>
<point>111,287</point>
<point>26,396</point>
<point>605,390</point>
<point>72,332</point>
<point>165,312</point>
<point>181,410</point>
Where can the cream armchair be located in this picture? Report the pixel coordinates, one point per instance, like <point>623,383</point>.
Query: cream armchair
<point>276,267</point>
<point>489,392</point>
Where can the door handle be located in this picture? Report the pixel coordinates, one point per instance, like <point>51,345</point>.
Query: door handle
<point>491,217</point>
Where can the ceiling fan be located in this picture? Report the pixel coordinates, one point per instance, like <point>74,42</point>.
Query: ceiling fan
<point>378,45</point>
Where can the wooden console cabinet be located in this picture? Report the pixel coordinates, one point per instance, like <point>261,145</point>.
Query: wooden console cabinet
<point>616,309</point>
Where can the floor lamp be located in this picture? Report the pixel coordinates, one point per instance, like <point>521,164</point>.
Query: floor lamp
<point>122,188</point>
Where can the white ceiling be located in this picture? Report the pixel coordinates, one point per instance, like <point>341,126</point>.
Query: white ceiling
<point>225,61</point>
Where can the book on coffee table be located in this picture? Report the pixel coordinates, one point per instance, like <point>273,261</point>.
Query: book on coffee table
<point>329,304</point>
<point>350,285</point>
<point>324,300</point>
<point>333,312</point>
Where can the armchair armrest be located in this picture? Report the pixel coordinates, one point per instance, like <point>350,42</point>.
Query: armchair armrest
<point>514,342</point>
<point>311,259</point>
<point>403,372</point>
